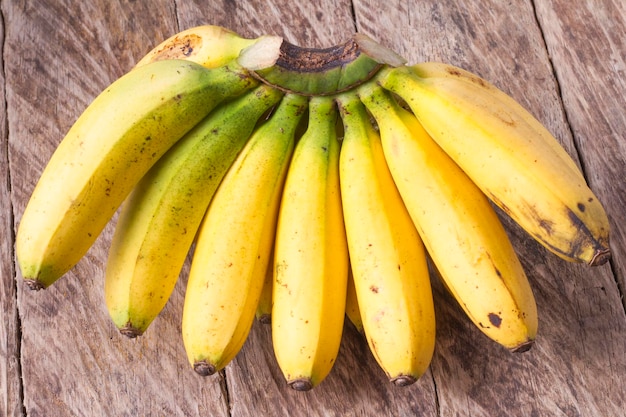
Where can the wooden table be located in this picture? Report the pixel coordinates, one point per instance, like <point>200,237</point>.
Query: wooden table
<point>61,356</point>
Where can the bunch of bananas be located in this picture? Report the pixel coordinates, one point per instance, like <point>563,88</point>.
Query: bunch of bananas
<point>310,185</point>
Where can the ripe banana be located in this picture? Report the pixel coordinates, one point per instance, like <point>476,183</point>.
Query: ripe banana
<point>353,312</point>
<point>159,220</point>
<point>264,306</point>
<point>513,158</point>
<point>311,258</point>
<point>208,45</point>
<point>120,135</point>
<point>234,243</point>
<point>387,256</point>
<point>458,225</point>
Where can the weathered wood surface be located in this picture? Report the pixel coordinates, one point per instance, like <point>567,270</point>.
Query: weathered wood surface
<point>60,355</point>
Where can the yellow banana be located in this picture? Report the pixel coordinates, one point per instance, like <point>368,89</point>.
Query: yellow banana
<point>159,220</point>
<point>208,45</point>
<point>437,69</point>
<point>515,160</point>
<point>353,312</point>
<point>264,306</point>
<point>234,243</point>
<point>458,225</point>
<point>311,260</point>
<point>388,259</point>
<point>114,142</point>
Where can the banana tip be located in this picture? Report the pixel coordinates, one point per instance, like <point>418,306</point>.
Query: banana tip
<point>204,368</point>
<point>34,284</point>
<point>523,347</point>
<point>600,257</point>
<point>301,384</point>
<point>130,331</point>
<point>403,380</point>
<point>265,319</point>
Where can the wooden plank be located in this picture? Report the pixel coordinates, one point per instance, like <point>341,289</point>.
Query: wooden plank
<point>10,385</point>
<point>312,24</point>
<point>577,364</point>
<point>588,48</point>
<point>75,363</point>
<point>355,387</point>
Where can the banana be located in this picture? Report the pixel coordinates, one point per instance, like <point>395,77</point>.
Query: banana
<point>515,160</point>
<point>311,259</point>
<point>387,256</point>
<point>353,312</point>
<point>460,229</point>
<point>113,143</point>
<point>208,45</point>
<point>158,221</point>
<point>264,306</point>
<point>234,242</point>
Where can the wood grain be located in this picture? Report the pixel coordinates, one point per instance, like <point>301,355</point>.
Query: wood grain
<point>61,356</point>
<point>74,362</point>
<point>11,396</point>
<point>502,42</point>
<point>589,45</point>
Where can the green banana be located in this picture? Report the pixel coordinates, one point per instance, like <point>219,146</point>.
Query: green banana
<point>234,243</point>
<point>159,220</point>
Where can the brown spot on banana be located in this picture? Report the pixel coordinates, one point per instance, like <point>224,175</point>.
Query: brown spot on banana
<point>178,46</point>
<point>572,250</point>
<point>495,319</point>
<point>602,252</point>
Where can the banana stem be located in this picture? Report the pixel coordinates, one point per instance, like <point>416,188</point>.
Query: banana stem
<point>317,72</point>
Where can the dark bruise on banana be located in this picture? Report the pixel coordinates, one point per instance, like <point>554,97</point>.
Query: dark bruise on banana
<point>179,47</point>
<point>582,242</point>
<point>240,64</point>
